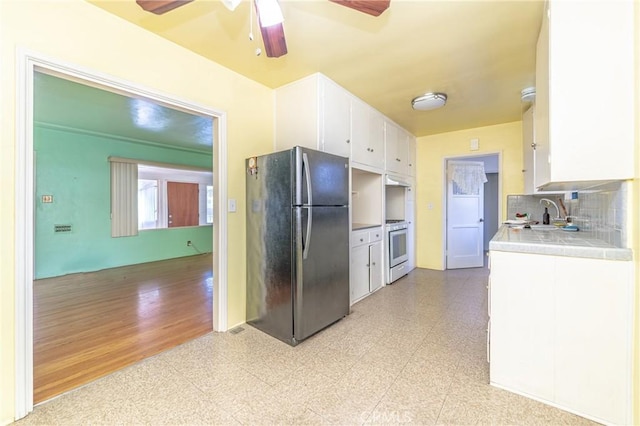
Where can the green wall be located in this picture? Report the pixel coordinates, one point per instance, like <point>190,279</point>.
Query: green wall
<point>73,167</point>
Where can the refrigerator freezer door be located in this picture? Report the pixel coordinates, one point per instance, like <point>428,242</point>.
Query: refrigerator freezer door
<point>322,179</point>
<point>322,284</point>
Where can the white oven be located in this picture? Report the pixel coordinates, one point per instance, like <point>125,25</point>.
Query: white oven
<point>396,250</point>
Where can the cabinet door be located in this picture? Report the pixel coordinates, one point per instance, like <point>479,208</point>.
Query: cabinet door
<point>542,173</point>
<point>391,147</point>
<point>375,266</point>
<point>522,321</point>
<point>396,149</point>
<point>376,139</point>
<point>411,166</point>
<point>297,114</point>
<point>359,131</point>
<point>367,135</point>
<point>336,119</point>
<point>359,272</point>
<point>528,151</point>
<point>587,140</point>
<point>593,337</point>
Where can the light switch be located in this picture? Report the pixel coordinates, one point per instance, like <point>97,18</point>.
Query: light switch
<point>474,144</point>
<point>232,205</point>
<point>47,198</point>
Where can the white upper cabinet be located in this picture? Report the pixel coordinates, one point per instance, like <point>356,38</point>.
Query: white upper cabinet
<point>411,167</point>
<point>367,135</point>
<point>336,112</point>
<point>317,113</point>
<point>585,86</point>
<point>313,112</point>
<point>528,151</point>
<point>397,148</point>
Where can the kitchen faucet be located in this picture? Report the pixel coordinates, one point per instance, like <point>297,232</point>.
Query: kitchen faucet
<point>548,201</point>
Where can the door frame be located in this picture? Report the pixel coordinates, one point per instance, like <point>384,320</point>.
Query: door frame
<point>445,163</point>
<point>27,63</point>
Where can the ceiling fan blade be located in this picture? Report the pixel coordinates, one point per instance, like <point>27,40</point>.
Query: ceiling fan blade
<point>371,7</point>
<point>161,6</point>
<point>275,44</point>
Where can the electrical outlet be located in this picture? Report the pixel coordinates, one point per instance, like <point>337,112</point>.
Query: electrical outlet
<point>189,243</point>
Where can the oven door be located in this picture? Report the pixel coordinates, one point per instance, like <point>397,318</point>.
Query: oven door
<point>397,247</point>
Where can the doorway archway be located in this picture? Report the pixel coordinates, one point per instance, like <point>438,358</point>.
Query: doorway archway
<point>28,64</point>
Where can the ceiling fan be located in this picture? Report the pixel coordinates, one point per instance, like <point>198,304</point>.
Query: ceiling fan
<point>272,31</point>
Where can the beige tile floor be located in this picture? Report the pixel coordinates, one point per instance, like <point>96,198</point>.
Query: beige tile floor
<point>412,353</point>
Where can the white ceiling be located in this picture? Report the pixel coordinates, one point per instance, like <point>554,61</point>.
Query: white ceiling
<point>481,53</point>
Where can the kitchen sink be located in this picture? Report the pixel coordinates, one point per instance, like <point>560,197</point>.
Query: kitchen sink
<point>544,227</point>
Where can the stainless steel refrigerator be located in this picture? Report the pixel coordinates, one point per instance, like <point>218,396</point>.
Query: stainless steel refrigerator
<point>297,242</point>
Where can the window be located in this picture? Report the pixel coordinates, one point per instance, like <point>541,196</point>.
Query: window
<point>170,198</point>
<point>147,204</point>
<point>206,204</point>
<point>145,196</point>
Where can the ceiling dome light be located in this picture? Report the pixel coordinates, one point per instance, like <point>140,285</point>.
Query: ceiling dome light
<point>429,101</point>
<point>528,94</point>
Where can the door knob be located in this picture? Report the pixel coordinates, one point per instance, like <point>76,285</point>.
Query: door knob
<point>481,220</point>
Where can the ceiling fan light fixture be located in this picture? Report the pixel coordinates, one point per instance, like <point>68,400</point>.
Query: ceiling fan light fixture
<point>269,13</point>
<point>231,4</point>
<point>429,101</point>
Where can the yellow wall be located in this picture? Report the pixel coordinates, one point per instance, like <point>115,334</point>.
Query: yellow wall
<point>431,152</point>
<point>76,32</point>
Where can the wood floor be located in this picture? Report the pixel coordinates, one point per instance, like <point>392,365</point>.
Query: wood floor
<point>91,324</point>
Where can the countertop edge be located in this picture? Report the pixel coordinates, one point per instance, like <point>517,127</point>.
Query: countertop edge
<point>361,226</point>
<point>604,253</point>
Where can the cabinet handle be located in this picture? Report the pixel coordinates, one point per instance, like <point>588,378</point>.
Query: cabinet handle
<point>348,141</point>
<point>533,145</point>
<point>373,263</point>
<point>397,159</point>
<point>361,239</point>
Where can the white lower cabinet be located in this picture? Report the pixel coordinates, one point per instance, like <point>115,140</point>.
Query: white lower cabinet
<point>366,263</point>
<point>561,332</point>
<point>522,323</point>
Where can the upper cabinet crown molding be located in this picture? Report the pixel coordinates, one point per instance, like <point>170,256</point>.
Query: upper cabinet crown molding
<point>584,111</point>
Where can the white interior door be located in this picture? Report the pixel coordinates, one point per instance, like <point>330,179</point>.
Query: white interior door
<point>465,230</point>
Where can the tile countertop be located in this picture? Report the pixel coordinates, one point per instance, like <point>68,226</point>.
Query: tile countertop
<point>556,243</point>
<point>358,226</point>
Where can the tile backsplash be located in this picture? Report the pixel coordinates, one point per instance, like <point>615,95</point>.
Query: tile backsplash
<point>602,212</point>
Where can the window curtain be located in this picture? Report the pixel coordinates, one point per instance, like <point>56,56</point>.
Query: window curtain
<point>468,176</point>
<point>124,198</point>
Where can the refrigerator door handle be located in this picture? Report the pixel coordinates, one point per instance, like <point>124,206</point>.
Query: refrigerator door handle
<point>307,174</point>
<point>307,240</point>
